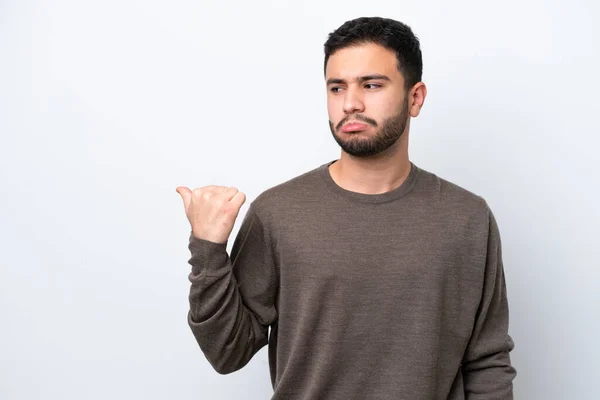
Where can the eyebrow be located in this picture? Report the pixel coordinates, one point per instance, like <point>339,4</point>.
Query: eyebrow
<point>360,79</point>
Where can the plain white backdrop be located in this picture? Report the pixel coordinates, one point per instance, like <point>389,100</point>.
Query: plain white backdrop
<point>106,107</point>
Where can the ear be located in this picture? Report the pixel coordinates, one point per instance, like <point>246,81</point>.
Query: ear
<point>417,98</point>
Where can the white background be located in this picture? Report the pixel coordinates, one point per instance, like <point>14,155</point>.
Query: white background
<point>105,107</point>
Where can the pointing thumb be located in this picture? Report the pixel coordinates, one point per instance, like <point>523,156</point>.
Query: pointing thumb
<point>185,194</point>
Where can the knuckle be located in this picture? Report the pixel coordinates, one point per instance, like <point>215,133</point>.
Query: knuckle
<point>216,200</point>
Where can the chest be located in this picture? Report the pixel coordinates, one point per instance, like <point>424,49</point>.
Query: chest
<point>382,249</point>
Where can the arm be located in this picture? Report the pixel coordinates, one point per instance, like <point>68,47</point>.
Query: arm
<point>232,299</point>
<point>487,369</point>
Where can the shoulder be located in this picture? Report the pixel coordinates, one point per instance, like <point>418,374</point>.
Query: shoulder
<point>285,196</point>
<point>456,201</point>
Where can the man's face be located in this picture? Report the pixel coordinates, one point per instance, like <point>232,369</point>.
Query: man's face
<point>368,111</point>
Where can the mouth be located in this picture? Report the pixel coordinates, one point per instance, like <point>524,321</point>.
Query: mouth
<point>354,127</point>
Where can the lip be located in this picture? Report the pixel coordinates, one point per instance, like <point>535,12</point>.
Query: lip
<point>354,126</point>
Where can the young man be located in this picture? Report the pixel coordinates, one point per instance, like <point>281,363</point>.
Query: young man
<point>378,279</point>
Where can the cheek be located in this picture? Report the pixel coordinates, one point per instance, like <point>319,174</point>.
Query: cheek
<point>381,111</point>
<point>379,104</point>
<point>384,101</point>
<point>334,109</point>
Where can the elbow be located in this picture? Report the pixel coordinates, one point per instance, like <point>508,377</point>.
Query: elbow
<point>489,374</point>
<point>227,361</point>
<point>225,354</point>
<point>224,368</point>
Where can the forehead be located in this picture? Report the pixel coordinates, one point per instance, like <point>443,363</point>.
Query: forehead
<point>362,59</point>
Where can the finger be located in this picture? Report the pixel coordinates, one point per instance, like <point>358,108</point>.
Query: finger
<point>214,189</point>
<point>238,200</point>
<point>230,192</point>
<point>186,195</point>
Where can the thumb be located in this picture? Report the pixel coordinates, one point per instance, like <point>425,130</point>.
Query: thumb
<point>186,195</point>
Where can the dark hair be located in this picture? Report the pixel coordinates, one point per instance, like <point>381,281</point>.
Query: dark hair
<point>389,33</point>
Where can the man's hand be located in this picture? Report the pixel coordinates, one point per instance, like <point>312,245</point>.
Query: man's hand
<point>212,210</point>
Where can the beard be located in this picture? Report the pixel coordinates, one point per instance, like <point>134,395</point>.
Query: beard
<point>385,137</point>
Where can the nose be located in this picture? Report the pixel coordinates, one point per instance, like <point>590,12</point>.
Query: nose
<point>353,102</point>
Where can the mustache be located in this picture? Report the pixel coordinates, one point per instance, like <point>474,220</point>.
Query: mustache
<point>356,117</point>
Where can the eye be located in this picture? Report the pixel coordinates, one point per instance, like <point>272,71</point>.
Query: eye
<point>373,86</point>
<point>335,89</point>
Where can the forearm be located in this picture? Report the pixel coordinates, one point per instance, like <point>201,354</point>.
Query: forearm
<point>228,333</point>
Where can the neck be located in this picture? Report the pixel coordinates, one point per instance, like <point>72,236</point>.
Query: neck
<point>373,175</point>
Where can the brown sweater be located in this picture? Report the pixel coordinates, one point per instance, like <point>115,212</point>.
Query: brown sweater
<point>399,295</point>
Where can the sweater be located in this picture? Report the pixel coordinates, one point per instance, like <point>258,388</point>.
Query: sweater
<point>399,295</point>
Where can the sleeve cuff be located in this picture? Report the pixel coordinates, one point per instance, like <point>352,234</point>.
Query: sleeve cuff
<point>206,256</point>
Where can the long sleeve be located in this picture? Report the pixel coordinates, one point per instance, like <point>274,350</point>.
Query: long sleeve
<point>232,299</point>
<point>487,370</point>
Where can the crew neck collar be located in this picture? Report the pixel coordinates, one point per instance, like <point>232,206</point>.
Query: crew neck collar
<point>393,194</point>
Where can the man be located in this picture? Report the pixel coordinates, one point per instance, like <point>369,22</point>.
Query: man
<point>378,279</point>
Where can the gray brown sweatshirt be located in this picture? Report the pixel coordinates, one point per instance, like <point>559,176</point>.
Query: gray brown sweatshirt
<point>399,295</point>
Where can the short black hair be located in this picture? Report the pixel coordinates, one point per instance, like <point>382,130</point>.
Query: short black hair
<point>391,34</point>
